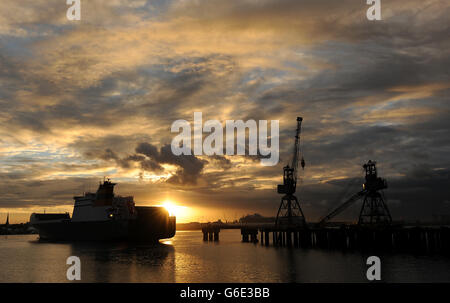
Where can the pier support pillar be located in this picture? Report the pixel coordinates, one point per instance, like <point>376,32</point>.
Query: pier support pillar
<point>254,237</point>
<point>289,238</point>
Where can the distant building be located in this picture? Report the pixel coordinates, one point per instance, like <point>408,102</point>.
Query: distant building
<point>4,228</point>
<point>256,218</point>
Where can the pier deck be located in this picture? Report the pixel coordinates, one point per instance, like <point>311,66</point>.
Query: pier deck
<point>426,239</point>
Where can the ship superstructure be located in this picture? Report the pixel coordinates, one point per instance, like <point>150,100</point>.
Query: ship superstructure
<point>103,205</point>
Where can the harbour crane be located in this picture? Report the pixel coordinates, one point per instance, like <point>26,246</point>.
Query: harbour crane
<point>290,213</point>
<point>374,210</point>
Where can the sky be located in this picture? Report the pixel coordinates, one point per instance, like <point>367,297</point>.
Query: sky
<point>85,99</point>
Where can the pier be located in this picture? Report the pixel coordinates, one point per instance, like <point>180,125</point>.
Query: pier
<point>211,232</point>
<point>249,234</point>
<point>419,239</point>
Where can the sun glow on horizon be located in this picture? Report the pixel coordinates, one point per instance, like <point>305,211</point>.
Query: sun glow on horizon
<point>181,212</point>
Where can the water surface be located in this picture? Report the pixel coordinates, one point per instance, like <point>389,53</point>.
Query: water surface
<point>186,258</point>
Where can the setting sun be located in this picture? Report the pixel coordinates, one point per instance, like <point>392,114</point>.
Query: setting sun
<point>175,210</point>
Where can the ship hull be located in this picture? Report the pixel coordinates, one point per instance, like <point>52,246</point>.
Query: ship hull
<point>81,231</point>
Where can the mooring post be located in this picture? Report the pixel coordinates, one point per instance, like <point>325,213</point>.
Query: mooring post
<point>216,235</point>
<point>266,238</point>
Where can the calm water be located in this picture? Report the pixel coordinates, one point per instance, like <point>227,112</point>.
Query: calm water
<point>186,258</point>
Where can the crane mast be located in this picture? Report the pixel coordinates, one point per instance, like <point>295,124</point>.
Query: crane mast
<point>290,173</point>
<point>289,212</point>
<point>295,158</point>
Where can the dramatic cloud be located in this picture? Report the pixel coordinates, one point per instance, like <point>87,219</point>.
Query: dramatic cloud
<point>190,166</point>
<point>83,100</point>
